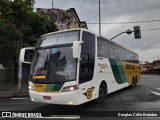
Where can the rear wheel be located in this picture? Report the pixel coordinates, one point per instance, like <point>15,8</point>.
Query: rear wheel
<point>102,93</point>
<point>134,82</point>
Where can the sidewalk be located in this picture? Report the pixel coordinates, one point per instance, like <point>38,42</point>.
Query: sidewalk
<point>8,90</point>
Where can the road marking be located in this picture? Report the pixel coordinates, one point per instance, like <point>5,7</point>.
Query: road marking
<point>158,88</point>
<point>154,92</point>
<point>20,98</point>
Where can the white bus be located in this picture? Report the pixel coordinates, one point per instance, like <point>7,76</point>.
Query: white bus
<point>75,66</point>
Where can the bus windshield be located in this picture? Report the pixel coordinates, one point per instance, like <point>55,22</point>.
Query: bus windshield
<point>55,61</point>
<point>56,64</point>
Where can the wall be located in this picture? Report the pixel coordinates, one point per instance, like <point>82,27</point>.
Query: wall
<point>6,75</point>
<point>64,19</point>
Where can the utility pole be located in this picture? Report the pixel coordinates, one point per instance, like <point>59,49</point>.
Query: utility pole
<point>52,4</point>
<point>99,17</point>
<point>52,11</point>
<point>21,39</point>
<point>21,28</point>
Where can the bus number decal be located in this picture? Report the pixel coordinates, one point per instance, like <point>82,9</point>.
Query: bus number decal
<point>102,66</point>
<point>89,93</point>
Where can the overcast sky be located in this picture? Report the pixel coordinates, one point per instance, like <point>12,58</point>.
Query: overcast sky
<point>113,11</point>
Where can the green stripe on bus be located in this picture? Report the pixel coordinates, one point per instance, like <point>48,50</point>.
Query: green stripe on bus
<point>115,70</point>
<point>118,71</point>
<point>53,87</point>
<point>121,71</point>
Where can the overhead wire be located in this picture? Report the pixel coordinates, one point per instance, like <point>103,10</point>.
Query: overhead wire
<point>132,22</point>
<point>151,29</point>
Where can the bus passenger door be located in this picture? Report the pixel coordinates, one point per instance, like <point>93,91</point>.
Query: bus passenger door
<point>25,59</point>
<point>85,79</point>
<point>87,63</point>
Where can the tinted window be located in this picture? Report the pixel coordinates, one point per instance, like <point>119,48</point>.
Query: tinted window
<point>128,56</point>
<point>121,54</point>
<point>62,65</point>
<point>131,57</point>
<point>57,64</point>
<point>87,57</point>
<point>137,59</point>
<point>103,48</point>
<point>113,51</point>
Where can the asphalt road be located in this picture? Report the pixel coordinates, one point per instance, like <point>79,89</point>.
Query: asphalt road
<point>144,97</point>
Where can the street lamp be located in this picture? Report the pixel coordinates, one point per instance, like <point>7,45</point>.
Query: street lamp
<point>137,33</point>
<point>128,32</point>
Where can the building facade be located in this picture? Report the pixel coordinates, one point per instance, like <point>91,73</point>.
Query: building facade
<point>64,19</point>
<point>146,67</point>
<point>156,65</point>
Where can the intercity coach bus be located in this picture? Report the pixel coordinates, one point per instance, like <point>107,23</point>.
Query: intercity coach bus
<point>75,66</point>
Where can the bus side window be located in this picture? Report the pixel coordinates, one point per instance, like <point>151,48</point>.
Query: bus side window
<point>112,49</point>
<point>100,47</point>
<point>137,59</point>
<point>116,53</point>
<point>121,54</point>
<point>103,48</point>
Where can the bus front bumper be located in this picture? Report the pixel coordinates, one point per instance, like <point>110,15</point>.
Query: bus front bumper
<point>63,98</point>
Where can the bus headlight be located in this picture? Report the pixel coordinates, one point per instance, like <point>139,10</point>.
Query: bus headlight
<point>70,88</point>
<point>30,87</point>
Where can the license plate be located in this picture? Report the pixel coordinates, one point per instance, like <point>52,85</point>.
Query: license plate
<point>47,97</point>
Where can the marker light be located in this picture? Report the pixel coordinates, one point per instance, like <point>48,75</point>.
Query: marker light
<point>70,88</point>
<point>39,77</point>
<point>32,99</point>
<point>30,87</point>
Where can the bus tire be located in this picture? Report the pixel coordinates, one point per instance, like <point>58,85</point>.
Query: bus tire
<point>134,82</point>
<point>102,93</point>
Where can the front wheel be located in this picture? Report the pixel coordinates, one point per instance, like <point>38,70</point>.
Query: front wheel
<point>102,93</point>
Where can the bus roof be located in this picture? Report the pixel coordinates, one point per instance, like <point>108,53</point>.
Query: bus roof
<point>66,30</point>
<point>83,29</point>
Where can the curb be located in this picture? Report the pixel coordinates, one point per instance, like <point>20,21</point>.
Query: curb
<point>15,95</point>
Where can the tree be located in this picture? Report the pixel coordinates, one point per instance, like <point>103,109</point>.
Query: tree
<point>18,21</point>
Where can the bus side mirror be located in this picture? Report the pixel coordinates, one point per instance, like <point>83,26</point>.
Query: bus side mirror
<point>26,55</point>
<point>76,49</point>
<point>25,59</point>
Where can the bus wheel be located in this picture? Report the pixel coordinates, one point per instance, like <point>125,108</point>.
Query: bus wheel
<point>102,93</point>
<point>134,82</point>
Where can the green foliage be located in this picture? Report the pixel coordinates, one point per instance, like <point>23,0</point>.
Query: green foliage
<point>17,20</point>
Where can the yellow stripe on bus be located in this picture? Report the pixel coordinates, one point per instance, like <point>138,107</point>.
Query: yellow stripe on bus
<point>39,87</point>
<point>131,70</point>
